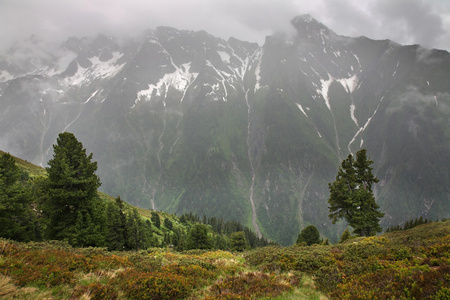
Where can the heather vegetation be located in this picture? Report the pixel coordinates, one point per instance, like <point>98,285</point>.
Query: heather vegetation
<point>407,264</point>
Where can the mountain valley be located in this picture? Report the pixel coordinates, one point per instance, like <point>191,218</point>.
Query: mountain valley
<point>182,121</point>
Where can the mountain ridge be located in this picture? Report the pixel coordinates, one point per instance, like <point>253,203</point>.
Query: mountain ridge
<point>231,128</point>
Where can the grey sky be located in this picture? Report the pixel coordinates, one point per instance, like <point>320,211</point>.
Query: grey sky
<point>425,22</point>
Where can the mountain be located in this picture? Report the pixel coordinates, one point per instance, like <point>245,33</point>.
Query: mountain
<point>183,121</point>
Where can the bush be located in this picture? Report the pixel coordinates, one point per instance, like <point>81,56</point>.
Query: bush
<point>95,291</point>
<point>251,285</point>
<point>158,285</point>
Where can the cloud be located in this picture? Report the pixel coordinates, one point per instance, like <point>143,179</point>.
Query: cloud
<point>414,21</point>
<point>404,21</point>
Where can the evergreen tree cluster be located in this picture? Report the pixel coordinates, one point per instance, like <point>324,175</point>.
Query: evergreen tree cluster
<point>409,224</point>
<point>224,234</point>
<point>65,205</point>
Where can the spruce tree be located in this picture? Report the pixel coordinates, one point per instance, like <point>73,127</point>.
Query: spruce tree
<point>156,220</point>
<point>116,222</point>
<point>168,224</point>
<point>351,195</point>
<point>73,201</point>
<point>238,241</point>
<point>16,216</point>
<point>198,237</point>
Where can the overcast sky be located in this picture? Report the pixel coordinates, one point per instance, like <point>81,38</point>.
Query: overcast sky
<point>425,22</point>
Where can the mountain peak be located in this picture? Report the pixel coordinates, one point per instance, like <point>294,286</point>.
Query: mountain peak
<point>307,26</point>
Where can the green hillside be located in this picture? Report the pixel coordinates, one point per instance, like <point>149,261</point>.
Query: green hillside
<point>30,168</point>
<point>145,228</point>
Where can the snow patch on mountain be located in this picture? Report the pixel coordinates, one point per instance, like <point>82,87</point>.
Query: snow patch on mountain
<point>224,56</point>
<point>5,76</point>
<point>352,114</point>
<point>92,96</point>
<point>364,127</point>
<point>99,69</point>
<point>179,80</point>
<point>349,84</point>
<point>258,76</point>
<point>301,108</point>
<point>324,90</point>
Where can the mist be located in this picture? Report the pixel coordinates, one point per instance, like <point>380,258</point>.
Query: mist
<point>404,21</point>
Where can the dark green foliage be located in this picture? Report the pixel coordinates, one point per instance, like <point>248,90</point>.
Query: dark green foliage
<point>228,227</point>
<point>309,235</point>
<point>116,221</point>
<point>89,230</point>
<point>198,237</point>
<point>408,224</point>
<point>179,240</point>
<point>351,196</point>
<point>16,217</point>
<point>72,189</point>
<point>138,232</point>
<point>238,241</point>
<point>168,224</point>
<point>156,220</point>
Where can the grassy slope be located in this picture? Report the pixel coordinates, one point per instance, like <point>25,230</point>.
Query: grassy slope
<point>32,169</point>
<point>35,171</point>
<point>410,263</point>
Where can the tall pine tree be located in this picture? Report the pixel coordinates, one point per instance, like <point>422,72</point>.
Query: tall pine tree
<point>116,221</point>
<point>73,201</point>
<point>351,195</point>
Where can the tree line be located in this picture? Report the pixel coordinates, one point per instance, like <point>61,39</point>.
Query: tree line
<point>65,205</point>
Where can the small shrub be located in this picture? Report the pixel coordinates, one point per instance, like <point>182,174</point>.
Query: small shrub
<point>96,291</point>
<point>250,286</point>
<point>140,285</point>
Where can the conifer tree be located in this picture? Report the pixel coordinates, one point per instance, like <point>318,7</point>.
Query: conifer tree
<point>351,196</point>
<point>156,220</point>
<point>309,235</point>
<point>168,224</point>
<point>16,216</point>
<point>238,241</point>
<point>72,186</point>
<point>198,237</point>
<point>116,220</point>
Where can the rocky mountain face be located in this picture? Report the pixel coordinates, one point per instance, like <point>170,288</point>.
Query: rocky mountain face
<point>183,121</point>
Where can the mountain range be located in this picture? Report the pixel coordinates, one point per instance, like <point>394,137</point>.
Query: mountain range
<point>183,121</point>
